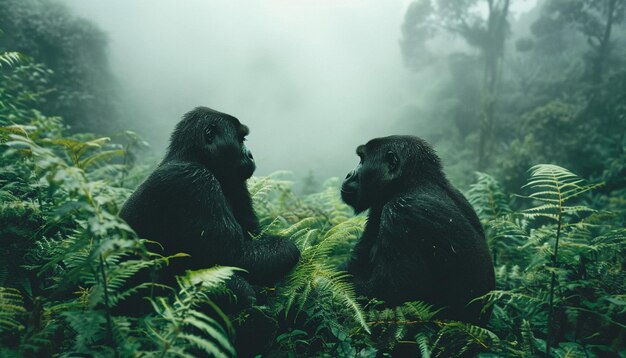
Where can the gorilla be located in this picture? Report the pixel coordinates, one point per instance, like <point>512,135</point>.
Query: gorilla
<point>422,241</point>
<point>197,202</point>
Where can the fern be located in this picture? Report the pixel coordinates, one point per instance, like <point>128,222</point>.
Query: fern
<point>434,337</point>
<point>84,154</point>
<point>320,234</point>
<point>314,274</point>
<point>554,188</point>
<point>180,328</point>
<point>10,59</point>
<point>488,198</point>
<point>505,230</point>
<point>11,308</point>
<point>458,338</point>
<point>559,265</point>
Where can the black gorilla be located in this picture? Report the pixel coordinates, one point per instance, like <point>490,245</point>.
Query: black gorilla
<point>197,202</point>
<point>423,240</point>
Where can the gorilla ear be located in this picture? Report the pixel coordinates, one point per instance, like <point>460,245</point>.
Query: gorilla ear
<point>392,160</point>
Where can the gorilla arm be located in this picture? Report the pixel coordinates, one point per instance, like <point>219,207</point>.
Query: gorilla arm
<point>183,207</point>
<point>426,250</point>
<point>241,207</point>
<point>359,263</point>
<point>265,259</point>
<point>398,272</point>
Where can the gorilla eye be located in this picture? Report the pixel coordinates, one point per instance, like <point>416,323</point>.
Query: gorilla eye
<point>209,135</point>
<point>392,159</point>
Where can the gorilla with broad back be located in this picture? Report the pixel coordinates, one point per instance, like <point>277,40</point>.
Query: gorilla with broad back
<point>197,202</point>
<point>423,240</point>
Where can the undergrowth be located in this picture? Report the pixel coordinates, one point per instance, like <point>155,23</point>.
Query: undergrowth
<point>67,259</point>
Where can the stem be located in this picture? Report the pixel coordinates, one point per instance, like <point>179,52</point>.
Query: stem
<point>124,164</point>
<point>554,266</point>
<point>107,308</point>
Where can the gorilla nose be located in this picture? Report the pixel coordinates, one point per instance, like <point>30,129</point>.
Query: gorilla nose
<point>248,153</point>
<point>350,175</point>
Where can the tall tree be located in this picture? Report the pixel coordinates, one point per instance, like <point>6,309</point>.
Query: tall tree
<point>484,26</point>
<point>596,25</point>
<point>595,19</point>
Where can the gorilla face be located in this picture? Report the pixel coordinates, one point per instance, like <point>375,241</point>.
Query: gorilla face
<point>226,152</point>
<point>215,140</point>
<point>373,177</point>
<point>247,166</point>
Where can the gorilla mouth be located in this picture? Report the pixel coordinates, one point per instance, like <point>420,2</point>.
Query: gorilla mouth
<point>247,169</point>
<point>348,195</point>
<point>351,192</point>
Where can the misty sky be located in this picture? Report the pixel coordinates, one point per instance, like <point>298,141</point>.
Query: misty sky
<point>311,78</point>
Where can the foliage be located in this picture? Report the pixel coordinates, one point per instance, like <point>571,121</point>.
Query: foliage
<point>484,29</point>
<point>545,86</point>
<point>59,210</point>
<point>73,52</point>
<point>9,58</point>
<point>179,327</point>
<point>558,281</point>
<point>559,246</point>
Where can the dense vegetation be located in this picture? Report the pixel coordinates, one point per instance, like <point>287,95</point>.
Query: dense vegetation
<point>73,53</point>
<point>546,87</point>
<point>558,239</point>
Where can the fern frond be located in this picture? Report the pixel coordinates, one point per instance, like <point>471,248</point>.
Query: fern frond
<point>176,328</point>
<point>488,198</point>
<point>99,158</point>
<point>459,338</point>
<point>313,274</point>
<point>10,59</point>
<point>555,186</point>
<point>210,277</point>
<point>261,187</point>
<point>11,307</point>
<point>423,343</point>
<point>512,296</point>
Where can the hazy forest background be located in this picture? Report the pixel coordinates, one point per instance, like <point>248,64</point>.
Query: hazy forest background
<point>90,91</point>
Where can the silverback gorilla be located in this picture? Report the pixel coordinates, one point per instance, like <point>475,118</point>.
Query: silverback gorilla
<point>197,202</point>
<point>423,240</point>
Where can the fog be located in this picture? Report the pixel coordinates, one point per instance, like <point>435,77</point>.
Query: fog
<point>312,79</point>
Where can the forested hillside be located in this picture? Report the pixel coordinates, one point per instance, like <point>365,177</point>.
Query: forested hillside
<point>531,124</point>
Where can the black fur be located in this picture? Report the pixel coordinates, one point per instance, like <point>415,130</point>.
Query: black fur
<point>197,202</point>
<point>423,240</point>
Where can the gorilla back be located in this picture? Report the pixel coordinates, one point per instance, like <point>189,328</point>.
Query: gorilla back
<point>423,240</point>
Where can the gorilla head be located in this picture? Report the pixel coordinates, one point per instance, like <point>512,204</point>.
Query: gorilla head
<point>215,140</point>
<point>388,165</point>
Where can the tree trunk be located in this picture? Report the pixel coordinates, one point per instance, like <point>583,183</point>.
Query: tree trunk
<point>604,49</point>
<point>492,52</point>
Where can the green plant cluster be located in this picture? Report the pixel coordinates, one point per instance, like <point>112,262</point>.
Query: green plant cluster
<point>73,54</point>
<point>558,247</point>
<point>544,85</point>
